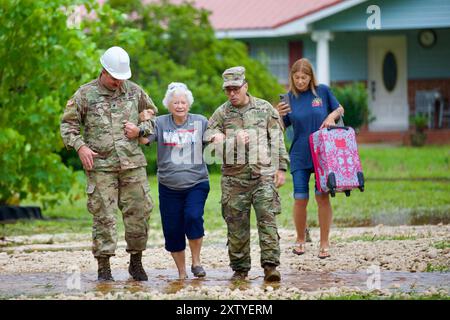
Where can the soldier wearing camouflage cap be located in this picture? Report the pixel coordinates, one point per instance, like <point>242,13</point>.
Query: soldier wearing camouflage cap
<point>252,178</point>
<point>107,109</point>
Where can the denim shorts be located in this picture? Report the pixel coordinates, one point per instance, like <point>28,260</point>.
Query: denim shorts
<point>182,214</point>
<point>301,183</point>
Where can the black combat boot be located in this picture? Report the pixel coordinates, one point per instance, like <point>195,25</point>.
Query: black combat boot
<point>104,269</point>
<point>135,269</point>
<point>239,275</point>
<point>271,274</point>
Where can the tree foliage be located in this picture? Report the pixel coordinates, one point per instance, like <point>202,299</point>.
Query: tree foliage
<point>43,62</point>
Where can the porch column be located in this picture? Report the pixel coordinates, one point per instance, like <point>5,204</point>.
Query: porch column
<point>322,55</point>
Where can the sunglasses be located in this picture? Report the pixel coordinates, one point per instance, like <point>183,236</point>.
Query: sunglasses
<point>229,90</point>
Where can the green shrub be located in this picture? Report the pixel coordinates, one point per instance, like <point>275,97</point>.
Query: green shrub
<point>353,97</point>
<point>419,137</point>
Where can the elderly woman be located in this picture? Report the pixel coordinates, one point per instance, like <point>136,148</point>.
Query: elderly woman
<point>182,176</point>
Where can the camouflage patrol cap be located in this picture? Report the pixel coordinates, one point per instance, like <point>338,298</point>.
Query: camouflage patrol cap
<point>233,77</point>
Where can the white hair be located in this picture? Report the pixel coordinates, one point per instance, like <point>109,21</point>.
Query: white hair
<point>175,89</point>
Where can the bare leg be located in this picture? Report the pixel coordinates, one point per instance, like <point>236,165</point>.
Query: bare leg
<point>196,246</point>
<point>299,213</point>
<point>325,219</point>
<point>180,261</point>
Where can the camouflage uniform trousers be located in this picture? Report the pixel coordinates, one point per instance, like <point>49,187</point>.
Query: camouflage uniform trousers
<point>237,197</point>
<point>127,190</point>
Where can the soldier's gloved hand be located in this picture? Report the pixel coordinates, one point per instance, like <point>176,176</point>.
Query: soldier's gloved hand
<point>147,114</point>
<point>279,178</point>
<point>218,138</point>
<point>131,130</point>
<point>243,137</point>
<point>87,157</point>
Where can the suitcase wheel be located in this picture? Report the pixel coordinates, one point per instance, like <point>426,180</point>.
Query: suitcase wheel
<point>331,181</point>
<point>331,184</point>
<point>347,193</point>
<point>360,176</point>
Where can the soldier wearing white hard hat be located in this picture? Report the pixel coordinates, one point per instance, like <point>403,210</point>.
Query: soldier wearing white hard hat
<point>107,109</point>
<point>116,61</point>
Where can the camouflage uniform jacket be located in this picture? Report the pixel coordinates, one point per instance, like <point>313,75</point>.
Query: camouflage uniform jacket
<point>102,114</point>
<point>265,153</point>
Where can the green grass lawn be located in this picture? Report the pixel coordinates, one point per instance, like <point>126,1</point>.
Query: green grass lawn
<point>381,162</point>
<point>403,186</point>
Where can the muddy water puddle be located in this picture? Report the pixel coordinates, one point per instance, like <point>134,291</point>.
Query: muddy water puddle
<point>165,282</point>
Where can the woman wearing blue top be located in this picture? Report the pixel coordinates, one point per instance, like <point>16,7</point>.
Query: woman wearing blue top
<point>182,176</point>
<point>311,107</point>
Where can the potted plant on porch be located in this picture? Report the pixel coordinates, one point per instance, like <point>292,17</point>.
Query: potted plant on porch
<point>419,137</point>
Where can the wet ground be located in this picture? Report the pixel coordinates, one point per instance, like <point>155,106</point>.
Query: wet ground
<point>382,260</point>
<point>51,284</point>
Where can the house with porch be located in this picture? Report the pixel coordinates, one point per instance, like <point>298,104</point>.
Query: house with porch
<point>400,49</point>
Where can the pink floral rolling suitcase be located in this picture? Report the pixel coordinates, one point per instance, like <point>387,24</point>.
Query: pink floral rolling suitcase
<point>336,160</point>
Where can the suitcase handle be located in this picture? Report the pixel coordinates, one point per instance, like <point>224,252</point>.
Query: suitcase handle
<point>337,127</point>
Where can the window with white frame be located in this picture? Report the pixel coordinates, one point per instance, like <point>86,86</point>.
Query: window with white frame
<point>275,56</point>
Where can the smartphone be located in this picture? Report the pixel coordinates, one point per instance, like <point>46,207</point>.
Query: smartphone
<point>285,99</point>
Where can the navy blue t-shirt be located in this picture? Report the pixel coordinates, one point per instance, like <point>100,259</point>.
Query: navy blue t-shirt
<point>307,114</point>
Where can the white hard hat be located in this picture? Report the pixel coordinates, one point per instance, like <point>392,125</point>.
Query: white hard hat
<point>116,61</point>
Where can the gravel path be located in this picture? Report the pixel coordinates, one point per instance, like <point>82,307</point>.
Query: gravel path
<point>41,266</point>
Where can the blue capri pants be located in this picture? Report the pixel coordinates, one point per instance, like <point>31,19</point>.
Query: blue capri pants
<point>182,214</point>
<point>301,183</point>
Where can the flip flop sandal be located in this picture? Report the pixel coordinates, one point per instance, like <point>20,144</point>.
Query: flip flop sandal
<point>324,253</point>
<point>300,246</point>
